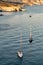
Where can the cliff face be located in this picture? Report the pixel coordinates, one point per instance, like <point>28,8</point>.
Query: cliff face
<point>28,2</point>
<point>10,7</point>
<point>31,2</point>
<point>23,0</point>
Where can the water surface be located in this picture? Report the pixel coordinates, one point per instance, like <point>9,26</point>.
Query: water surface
<point>15,27</point>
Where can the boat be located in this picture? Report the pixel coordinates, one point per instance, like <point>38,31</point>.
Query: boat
<point>30,39</point>
<point>20,53</point>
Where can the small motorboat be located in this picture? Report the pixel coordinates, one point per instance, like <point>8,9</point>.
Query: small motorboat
<point>20,54</point>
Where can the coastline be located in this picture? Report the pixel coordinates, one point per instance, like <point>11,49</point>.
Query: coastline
<point>10,7</point>
<point>16,6</point>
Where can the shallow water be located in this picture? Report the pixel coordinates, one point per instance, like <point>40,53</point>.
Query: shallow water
<point>15,28</point>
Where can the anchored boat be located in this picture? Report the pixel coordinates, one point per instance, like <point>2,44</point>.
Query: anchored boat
<point>20,53</point>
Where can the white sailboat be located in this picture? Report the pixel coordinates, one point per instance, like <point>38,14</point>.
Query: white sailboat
<point>20,53</point>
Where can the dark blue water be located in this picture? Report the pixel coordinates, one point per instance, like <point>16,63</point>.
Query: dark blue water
<point>11,27</point>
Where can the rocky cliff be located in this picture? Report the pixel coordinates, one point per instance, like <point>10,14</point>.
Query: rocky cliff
<point>32,2</point>
<point>28,2</point>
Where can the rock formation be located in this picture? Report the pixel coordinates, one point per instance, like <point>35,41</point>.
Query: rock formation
<point>31,2</point>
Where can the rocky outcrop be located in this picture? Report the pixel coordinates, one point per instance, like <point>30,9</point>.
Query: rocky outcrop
<point>10,7</point>
<point>28,2</point>
<point>32,2</point>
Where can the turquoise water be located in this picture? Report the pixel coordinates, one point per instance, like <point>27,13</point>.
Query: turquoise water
<point>13,27</point>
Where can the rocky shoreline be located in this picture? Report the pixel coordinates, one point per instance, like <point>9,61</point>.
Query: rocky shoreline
<point>17,6</point>
<point>10,7</point>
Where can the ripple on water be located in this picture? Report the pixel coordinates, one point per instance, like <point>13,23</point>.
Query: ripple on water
<point>11,39</point>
